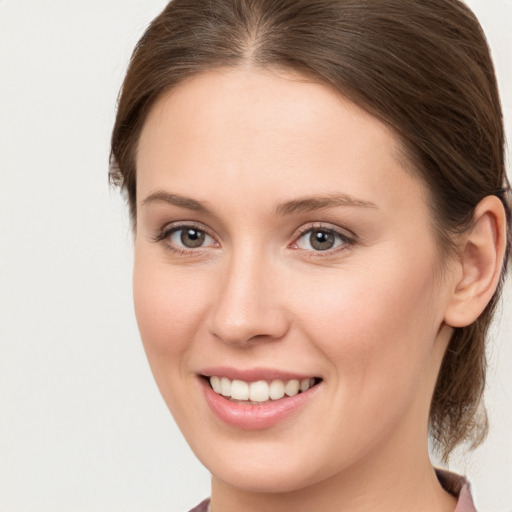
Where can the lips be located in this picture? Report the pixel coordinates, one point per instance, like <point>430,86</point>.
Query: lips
<point>256,399</point>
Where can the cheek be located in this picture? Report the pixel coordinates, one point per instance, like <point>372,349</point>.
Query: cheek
<point>377,326</point>
<point>168,307</point>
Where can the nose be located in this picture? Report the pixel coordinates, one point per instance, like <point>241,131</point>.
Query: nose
<point>247,305</point>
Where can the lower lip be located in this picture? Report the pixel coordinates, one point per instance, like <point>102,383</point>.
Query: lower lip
<point>255,417</point>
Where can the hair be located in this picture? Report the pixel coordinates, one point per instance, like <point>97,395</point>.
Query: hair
<point>421,67</point>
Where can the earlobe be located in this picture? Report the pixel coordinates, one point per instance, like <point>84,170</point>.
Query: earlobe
<point>480,263</point>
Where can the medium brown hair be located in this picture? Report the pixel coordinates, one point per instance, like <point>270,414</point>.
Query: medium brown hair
<point>421,67</point>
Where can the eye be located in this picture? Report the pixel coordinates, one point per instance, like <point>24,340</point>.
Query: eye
<point>184,238</point>
<point>321,239</point>
<point>189,237</point>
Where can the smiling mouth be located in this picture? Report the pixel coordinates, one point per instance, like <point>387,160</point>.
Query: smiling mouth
<point>261,391</point>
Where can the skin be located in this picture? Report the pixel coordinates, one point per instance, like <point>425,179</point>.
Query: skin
<point>368,316</point>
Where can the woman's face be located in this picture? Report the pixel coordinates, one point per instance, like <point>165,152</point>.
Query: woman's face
<point>281,242</point>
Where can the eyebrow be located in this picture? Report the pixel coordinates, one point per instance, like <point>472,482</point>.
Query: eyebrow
<point>300,205</point>
<point>311,203</point>
<point>176,200</point>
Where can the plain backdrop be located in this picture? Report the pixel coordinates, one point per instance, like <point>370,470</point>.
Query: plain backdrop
<point>82,425</point>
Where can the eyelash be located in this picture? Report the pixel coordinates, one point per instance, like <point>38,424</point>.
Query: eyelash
<point>346,241</point>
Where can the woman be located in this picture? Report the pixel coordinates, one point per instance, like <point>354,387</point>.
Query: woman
<point>322,225</point>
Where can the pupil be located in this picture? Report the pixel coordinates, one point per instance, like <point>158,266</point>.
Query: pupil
<point>321,240</point>
<point>192,238</point>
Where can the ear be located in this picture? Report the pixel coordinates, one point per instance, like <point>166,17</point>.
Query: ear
<point>479,265</point>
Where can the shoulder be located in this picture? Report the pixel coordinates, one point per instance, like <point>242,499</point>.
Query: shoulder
<point>459,487</point>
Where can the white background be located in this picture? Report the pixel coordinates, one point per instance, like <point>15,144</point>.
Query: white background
<point>82,426</point>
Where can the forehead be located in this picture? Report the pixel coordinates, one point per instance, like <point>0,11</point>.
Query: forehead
<point>248,132</point>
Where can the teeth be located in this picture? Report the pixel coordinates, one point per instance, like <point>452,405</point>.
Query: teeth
<point>239,390</point>
<point>225,387</point>
<point>305,384</point>
<point>260,391</point>
<point>292,387</point>
<point>215,382</point>
<point>276,390</point>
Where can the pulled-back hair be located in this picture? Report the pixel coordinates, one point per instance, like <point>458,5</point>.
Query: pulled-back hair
<point>422,67</point>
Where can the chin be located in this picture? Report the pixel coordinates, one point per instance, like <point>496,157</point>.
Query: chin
<point>276,479</point>
<point>257,471</point>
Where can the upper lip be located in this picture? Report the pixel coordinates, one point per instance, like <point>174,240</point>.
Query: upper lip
<point>253,374</point>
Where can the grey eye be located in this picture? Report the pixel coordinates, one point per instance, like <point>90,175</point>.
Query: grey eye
<point>190,238</point>
<point>320,239</point>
